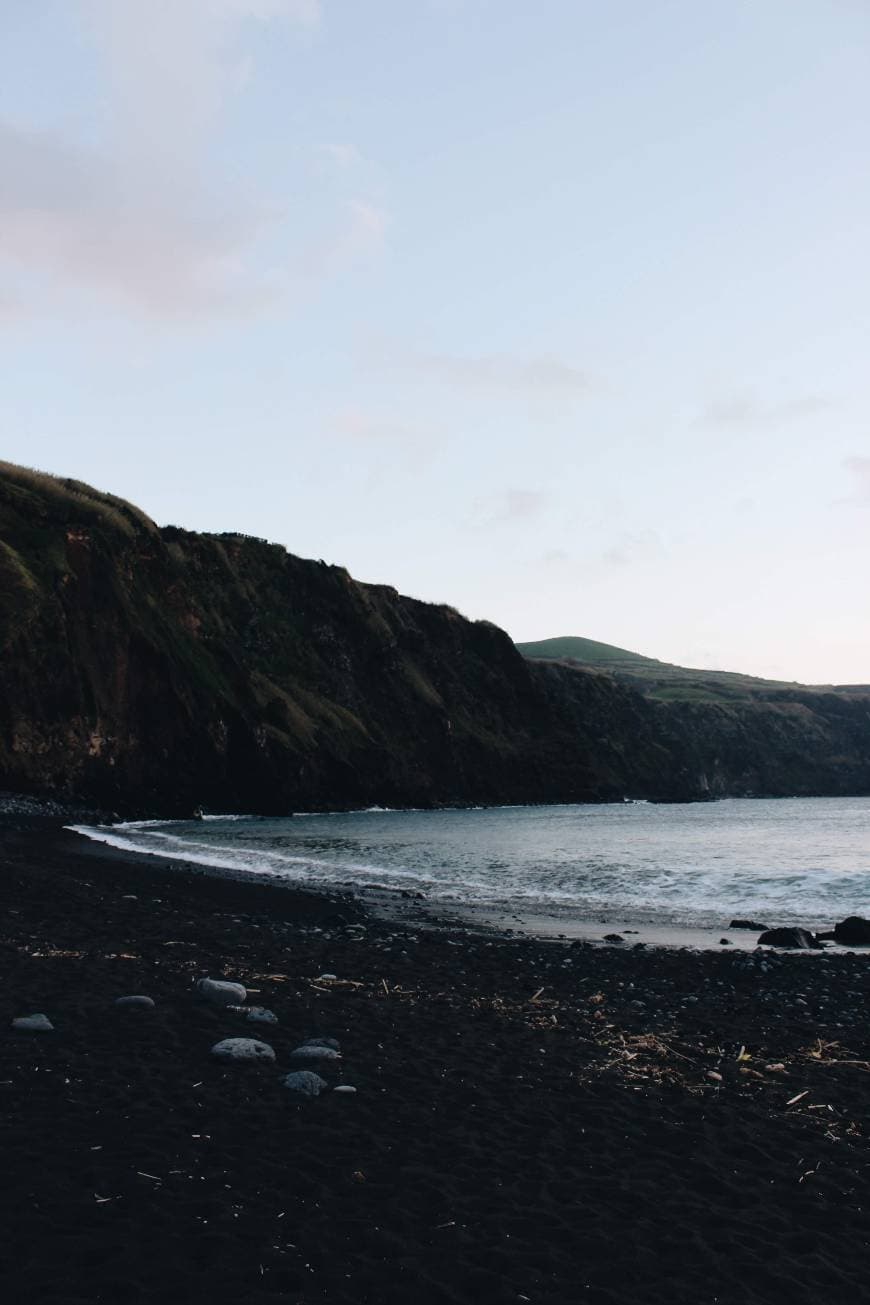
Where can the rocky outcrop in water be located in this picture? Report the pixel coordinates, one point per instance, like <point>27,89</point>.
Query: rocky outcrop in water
<point>156,670</point>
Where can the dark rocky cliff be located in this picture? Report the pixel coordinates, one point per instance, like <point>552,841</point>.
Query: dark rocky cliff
<point>152,670</point>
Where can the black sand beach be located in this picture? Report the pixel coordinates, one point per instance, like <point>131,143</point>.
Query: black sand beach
<point>533,1121</point>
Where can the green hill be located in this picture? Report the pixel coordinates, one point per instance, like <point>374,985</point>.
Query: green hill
<point>588,651</point>
<point>663,680</point>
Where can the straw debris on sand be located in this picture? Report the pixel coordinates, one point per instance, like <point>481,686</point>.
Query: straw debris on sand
<point>532,1122</point>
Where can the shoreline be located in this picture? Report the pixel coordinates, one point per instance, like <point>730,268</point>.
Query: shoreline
<point>502,919</point>
<point>521,1105</point>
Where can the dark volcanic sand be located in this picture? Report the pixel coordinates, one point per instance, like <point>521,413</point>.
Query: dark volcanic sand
<point>500,1148</point>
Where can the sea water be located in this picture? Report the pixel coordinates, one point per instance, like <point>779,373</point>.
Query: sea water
<point>794,861</point>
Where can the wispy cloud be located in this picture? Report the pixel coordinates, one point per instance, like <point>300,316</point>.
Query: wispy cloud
<point>860,469</point>
<point>512,507</point>
<point>634,547</point>
<point>139,220</point>
<point>749,410</point>
<point>509,373</point>
<point>340,155</point>
<point>359,233</point>
<point>365,427</point>
<point>505,372</point>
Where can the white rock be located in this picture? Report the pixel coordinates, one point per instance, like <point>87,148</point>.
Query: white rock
<point>242,1049</point>
<point>33,1024</point>
<point>344,1087</point>
<point>305,1083</point>
<point>222,992</point>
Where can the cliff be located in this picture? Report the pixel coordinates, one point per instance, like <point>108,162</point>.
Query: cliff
<point>153,670</point>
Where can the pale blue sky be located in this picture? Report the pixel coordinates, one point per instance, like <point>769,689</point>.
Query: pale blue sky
<point>555,311</point>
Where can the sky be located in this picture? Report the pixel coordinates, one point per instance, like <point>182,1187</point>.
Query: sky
<point>555,312</point>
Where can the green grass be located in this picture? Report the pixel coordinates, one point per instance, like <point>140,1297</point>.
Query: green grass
<point>75,501</point>
<point>589,651</point>
<point>663,680</point>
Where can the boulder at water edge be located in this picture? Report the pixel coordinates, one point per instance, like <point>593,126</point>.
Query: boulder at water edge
<point>305,1083</point>
<point>222,992</point>
<point>853,932</point>
<point>748,924</point>
<point>242,1049</point>
<point>801,938</point>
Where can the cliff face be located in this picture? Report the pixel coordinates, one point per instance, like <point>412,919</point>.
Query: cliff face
<point>154,670</point>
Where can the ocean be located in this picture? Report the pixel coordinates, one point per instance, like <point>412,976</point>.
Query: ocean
<point>786,861</point>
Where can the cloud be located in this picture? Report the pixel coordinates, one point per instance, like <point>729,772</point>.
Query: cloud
<point>512,507</point>
<point>747,410</point>
<point>342,156</point>
<point>68,215</point>
<point>523,504</point>
<point>138,219</point>
<point>359,234</point>
<point>505,372</point>
<point>632,548</point>
<point>860,469</point>
<point>352,424</point>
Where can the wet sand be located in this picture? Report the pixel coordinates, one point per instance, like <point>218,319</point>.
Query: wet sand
<point>534,1120</point>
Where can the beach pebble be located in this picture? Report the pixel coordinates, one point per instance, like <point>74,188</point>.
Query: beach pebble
<point>135,1003</point>
<point>613,938</point>
<point>326,978</point>
<point>321,1042</point>
<point>311,1052</point>
<point>33,1024</point>
<point>305,1083</point>
<point>716,1078</point>
<point>344,1087</point>
<point>242,1049</point>
<point>222,992</point>
<point>254,1014</point>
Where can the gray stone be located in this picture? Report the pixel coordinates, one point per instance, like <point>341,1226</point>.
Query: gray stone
<point>309,1052</point>
<point>135,1003</point>
<point>254,1014</point>
<point>242,1049</point>
<point>222,992</point>
<point>33,1024</point>
<point>344,1087</point>
<point>322,1042</point>
<point>305,1083</point>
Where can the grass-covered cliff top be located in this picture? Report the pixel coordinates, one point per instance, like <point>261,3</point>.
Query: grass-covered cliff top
<point>25,487</point>
<point>664,681</point>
